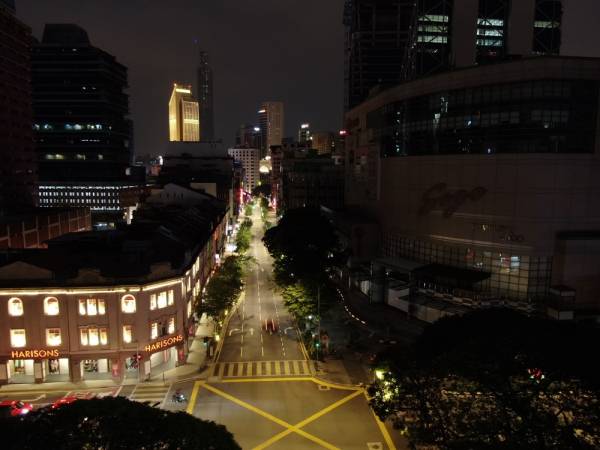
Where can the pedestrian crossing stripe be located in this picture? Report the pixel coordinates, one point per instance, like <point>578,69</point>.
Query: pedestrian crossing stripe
<point>262,369</point>
<point>149,392</point>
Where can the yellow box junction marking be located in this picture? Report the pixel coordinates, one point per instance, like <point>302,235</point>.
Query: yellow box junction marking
<point>192,402</point>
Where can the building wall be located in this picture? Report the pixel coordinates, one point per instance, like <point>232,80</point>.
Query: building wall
<point>18,171</point>
<point>35,320</point>
<point>33,231</point>
<point>250,159</point>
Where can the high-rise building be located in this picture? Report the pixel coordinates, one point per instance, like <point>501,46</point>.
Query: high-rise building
<point>388,41</point>
<point>249,135</point>
<point>18,170</point>
<point>375,40</point>
<point>304,133</point>
<point>205,98</point>
<point>250,158</point>
<point>271,124</point>
<point>83,134</point>
<point>184,115</point>
<point>323,142</point>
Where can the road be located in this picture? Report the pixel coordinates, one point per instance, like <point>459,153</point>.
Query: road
<point>263,388</point>
<point>246,339</point>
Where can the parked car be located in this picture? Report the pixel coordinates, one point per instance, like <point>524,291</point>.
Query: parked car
<point>14,408</point>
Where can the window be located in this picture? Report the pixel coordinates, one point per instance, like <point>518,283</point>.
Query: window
<point>93,336</point>
<point>154,330</point>
<point>53,338</point>
<point>162,300</point>
<point>17,338</point>
<point>171,328</point>
<point>128,304</point>
<point>127,333</point>
<point>51,306</point>
<point>15,307</point>
<point>92,307</point>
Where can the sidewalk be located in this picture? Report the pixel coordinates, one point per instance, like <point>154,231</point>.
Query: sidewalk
<point>357,330</point>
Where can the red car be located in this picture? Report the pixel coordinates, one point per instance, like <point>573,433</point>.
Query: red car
<point>270,326</point>
<point>63,401</point>
<point>14,408</point>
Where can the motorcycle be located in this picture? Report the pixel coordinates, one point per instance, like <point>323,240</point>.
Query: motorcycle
<point>178,397</point>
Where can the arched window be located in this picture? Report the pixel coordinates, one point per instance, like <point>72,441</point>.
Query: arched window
<point>51,307</point>
<point>128,304</point>
<point>15,307</point>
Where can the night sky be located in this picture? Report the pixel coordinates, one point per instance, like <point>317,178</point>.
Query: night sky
<point>289,50</point>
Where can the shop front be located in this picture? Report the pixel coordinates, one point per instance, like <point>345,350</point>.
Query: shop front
<point>34,366</point>
<point>164,354</point>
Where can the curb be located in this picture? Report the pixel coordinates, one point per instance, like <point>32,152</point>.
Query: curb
<point>225,326</point>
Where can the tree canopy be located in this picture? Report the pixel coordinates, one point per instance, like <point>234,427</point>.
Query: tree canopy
<point>495,379</point>
<point>224,288</point>
<point>305,247</point>
<point>113,423</point>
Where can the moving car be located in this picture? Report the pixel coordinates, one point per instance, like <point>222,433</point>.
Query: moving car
<point>270,326</point>
<point>63,401</point>
<point>14,408</point>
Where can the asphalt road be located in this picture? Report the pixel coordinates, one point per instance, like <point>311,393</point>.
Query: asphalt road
<point>246,338</point>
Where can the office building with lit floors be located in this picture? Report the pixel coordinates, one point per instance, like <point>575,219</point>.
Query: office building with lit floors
<point>250,159</point>
<point>184,115</point>
<point>484,182</point>
<point>81,127</point>
<point>108,304</point>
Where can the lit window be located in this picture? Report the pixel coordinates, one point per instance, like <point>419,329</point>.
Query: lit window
<point>15,307</point>
<point>17,338</point>
<point>128,304</point>
<point>51,307</point>
<point>154,330</point>
<point>127,333</point>
<point>152,301</point>
<point>93,336</point>
<point>92,307</point>
<point>171,328</point>
<point>162,300</point>
<point>171,297</point>
<point>53,338</point>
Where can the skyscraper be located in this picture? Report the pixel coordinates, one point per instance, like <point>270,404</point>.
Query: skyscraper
<point>83,135</point>
<point>271,124</point>
<point>205,98</point>
<point>376,36</point>
<point>184,119</point>
<point>18,170</point>
<point>390,41</point>
<point>304,133</point>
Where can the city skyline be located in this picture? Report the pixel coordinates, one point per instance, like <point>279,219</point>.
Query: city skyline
<point>221,30</point>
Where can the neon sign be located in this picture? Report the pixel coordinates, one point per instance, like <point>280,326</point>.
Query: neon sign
<point>164,343</point>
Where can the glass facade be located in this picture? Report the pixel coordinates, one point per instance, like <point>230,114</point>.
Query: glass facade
<point>543,116</point>
<point>512,275</point>
<point>547,27</point>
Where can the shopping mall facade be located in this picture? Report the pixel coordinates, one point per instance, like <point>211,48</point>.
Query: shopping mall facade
<point>485,181</point>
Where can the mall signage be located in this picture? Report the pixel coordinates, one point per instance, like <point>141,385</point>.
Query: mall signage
<point>164,343</point>
<point>440,197</point>
<point>34,354</point>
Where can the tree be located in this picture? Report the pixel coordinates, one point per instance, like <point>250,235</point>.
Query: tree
<point>244,235</point>
<point>224,288</point>
<point>262,189</point>
<point>113,423</point>
<point>305,249</point>
<point>494,379</point>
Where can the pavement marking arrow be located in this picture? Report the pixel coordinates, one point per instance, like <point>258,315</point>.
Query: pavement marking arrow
<point>235,329</point>
<point>288,328</point>
<point>251,331</point>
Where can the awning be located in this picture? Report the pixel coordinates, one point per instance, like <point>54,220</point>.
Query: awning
<point>450,276</point>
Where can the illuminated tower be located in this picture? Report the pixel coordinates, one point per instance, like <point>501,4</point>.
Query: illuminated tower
<point>270,119</point>
<point>184,115</point>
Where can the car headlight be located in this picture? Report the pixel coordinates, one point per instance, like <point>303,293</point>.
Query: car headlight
<point>24,411</point>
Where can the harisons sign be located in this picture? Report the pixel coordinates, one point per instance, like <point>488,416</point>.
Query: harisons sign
<point>163,343</point>
<point>27,354</point>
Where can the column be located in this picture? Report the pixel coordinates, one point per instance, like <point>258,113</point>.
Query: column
<point>464,32</point>
<point>38,371</point>
<point>75,370</point>
<point>3,372</point>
